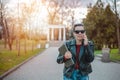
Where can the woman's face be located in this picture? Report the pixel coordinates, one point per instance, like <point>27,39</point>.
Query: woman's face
<point>79,32</point>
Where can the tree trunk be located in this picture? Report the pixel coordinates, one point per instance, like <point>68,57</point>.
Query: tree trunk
<point>118,35</point>
<point>5,33</point>
<point>5,39</point>
<point>32,45</point>
<point>2,24</point>
<point>9,38</point>
<point>18,47</point>
<point>16,44</point>
<point>10,46</point>
<point>25,46</point>
<point>117,25</point>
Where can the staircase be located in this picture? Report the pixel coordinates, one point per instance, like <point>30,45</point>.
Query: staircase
<point>55,43</point>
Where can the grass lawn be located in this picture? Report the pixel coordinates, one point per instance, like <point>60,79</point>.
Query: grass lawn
<point>98,52</point>
<point>9,59</point>
<point>114,56</point>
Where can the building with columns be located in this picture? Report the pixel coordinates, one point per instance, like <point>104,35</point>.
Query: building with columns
<point>54,31</point>
<point>51,32</point>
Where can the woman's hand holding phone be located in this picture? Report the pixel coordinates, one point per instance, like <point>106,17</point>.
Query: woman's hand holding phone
<point>85,39</point>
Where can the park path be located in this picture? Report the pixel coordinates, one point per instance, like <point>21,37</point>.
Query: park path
<point>44,67</point>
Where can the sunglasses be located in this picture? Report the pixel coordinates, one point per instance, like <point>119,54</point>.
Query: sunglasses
<point>79,31</point>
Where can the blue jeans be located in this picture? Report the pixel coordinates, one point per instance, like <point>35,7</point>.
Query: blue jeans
<point>77,76</point>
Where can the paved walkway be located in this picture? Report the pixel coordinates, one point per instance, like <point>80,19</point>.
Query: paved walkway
<point>105,71</point>
<point>44,67</point>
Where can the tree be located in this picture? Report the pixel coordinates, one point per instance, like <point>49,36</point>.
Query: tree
<point>27,11</point>
<point>53,8</point>
<point>94,24</point>
<point>10,32</point>
<point>117,24</point>
<point>2,24</point>
<point>110,26</point>
<point>99,27</point>
<point>70,7</point>
<point>115,7</point>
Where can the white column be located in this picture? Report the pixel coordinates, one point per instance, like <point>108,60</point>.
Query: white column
<point>60,34</point>
<point>52,33</point>
<point>48,35</point>
<point>64,34</point>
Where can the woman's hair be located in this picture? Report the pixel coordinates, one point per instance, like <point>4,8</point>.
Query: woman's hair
<point>81,25</point>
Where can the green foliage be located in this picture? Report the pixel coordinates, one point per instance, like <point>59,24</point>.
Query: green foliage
<point>100,25</point>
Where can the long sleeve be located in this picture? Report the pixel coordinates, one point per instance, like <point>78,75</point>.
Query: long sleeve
<point>60,59</point>
<point>89,50</point>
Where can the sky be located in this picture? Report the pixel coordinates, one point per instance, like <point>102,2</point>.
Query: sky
<point>84,3</point>
<point>80,13</point>
<point>39,19</point>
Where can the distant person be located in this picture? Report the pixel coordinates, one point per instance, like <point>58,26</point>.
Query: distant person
<point>81,51</point>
